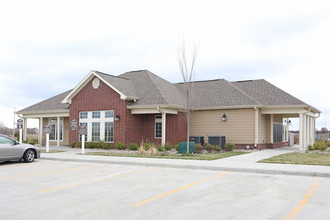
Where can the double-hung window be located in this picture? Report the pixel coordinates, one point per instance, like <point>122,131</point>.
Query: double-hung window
<point>158,126</point>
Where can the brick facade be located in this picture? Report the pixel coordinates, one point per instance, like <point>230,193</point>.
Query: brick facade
<point>131,128</point>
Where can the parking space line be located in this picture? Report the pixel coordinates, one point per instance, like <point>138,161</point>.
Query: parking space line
<point>179,189</point>
<point>98,180</point>
<point>52,171</point>
<point>304,201</point>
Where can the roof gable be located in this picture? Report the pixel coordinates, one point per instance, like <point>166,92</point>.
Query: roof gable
<point>120,85</point>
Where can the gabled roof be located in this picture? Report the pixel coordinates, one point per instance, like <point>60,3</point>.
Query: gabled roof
<point>153,90</point>
<point>147,90</point>
<point>52,104</point>
<point>122,86</point>
<point>217,94</point>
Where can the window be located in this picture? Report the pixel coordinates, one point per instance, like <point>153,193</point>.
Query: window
<point>96,115</point>
<point>109,114</point>
<point>95,131</point>
<point>4,140</point>
<point>100,125</point>
<point>80,136</point>
<point>108,131</point>
<point>83,115</point>
<point>158,126</point>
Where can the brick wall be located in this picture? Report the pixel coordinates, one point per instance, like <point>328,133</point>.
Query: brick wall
<point>130,128</point>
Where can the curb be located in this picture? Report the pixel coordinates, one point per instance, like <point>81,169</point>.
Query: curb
<point>213,168</point>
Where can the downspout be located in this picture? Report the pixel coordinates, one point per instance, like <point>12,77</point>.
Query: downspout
<point>256,126</point>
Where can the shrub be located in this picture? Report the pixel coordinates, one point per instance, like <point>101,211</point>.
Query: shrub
<point>208,147</point>
<point>32,141</point>
<point>177,147</point>
<point>310,147</point>
<point>133,146</point>
<point>167,146</point>
<point>120,146</point>
<point>147,146</point>
<point>216,148</point>
<point>160,147</point>
<point>320,145</point>
<point>73,144</point>
<point>229,147</point>
<point>103,145</point>
<point>199,148</point>
<point>91,145</point>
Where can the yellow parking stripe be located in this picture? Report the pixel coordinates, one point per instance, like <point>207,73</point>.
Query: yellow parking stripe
<point>179,189</point>
<point>304,201</point>
<point>52,171</point>
<point>6,166</point>
<point>98,180</point>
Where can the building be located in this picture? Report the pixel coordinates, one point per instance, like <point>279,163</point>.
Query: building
<point>140,106</point>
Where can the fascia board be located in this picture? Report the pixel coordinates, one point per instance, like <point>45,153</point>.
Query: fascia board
<point>82,83</point>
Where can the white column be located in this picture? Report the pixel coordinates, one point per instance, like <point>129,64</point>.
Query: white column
<point>24,128</point>
<point>58,131</point>
<point>307,130</point>
<point>301,124</point>
<point>163,128</point>
<point>287,129</point>
<point>256,127</point>
<point>271,128</point>
<point>40,130</point>
<point>313,130</point>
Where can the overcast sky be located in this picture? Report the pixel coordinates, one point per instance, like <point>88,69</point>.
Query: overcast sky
<point>47,47</point>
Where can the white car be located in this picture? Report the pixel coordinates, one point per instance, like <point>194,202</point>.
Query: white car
<point>10,149</point>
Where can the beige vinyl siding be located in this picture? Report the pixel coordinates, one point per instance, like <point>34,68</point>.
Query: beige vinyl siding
<point>264,128</point>
<point>238,128</point>
<point>278,118</point>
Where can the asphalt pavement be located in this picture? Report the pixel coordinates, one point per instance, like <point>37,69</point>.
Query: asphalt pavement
<point>243,163</point>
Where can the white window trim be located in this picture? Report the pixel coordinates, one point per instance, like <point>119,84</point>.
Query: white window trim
<point>55,123</point>
<point>89,120</point>
<point>158,120</point>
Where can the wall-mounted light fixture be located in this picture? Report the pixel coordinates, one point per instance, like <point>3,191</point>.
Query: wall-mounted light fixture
<point>289,122</point>
<point>224,117</point>
<point>117,118</point>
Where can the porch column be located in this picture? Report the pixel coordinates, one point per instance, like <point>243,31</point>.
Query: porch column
<point>313,130</point>
<point>271,129</point>
<point>301,125</point>
<point>24,128</point>
<point>58,131</point>
<point>307,130</point>
<point>163,128</point>
<point>256,127</point>
<point>40,130</point>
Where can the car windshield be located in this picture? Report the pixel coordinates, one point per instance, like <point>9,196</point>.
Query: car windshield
<point>5,140</point>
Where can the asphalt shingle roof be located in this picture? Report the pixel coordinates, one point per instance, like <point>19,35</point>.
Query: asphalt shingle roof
<point>149,89</point>
<point>53,103</point>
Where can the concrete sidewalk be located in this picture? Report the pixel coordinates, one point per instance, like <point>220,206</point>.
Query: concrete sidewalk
<point>242,163</point>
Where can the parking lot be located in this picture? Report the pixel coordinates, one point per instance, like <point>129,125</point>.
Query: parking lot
<point>75,190</point>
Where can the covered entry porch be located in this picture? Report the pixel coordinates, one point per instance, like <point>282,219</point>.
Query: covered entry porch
<point>307,118</point>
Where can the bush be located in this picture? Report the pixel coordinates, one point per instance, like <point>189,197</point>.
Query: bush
<point>73,144</point>
<point>32,141</point>
<point>208,147</point>
<point>320,145</point>
<point>147,146</point>
<point>177,147</point>
<point>120,146</point>
<point>133,146</point>
<point>167,146</point>
<point>310,147</point>
<point>229,147</point>
<point>160,147</point>
<point>91,145</point>
<point>199,148</point>
<point>103,145</point>
<point>216,148</point>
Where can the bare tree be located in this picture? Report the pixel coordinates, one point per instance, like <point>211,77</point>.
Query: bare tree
<point>187,70</point>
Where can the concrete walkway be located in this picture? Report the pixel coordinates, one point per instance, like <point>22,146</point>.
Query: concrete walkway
<point>241,163</point>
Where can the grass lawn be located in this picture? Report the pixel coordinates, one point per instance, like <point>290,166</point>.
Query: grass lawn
<point>300,158</point>
<point>51,151</point>
<point>210,156</point>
